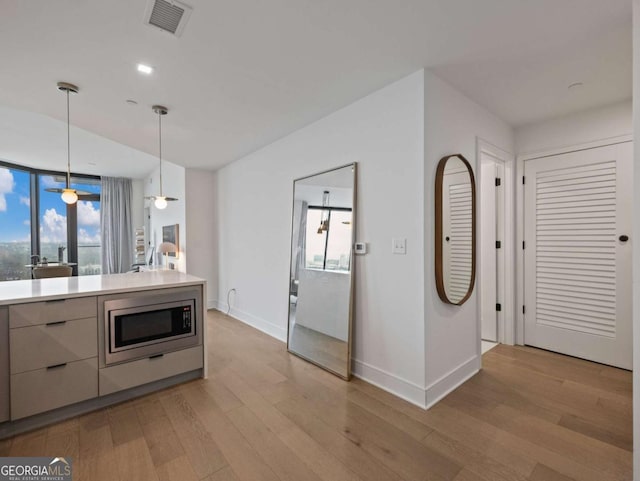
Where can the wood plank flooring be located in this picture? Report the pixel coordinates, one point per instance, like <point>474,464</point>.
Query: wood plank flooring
<point>266,415</point>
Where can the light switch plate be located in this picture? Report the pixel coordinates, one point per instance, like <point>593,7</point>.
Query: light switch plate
<point>360,248</point>
<point>399,246</point>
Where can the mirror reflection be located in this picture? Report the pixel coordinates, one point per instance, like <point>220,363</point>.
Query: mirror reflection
<point>321,269</point>
<point>455,234</point>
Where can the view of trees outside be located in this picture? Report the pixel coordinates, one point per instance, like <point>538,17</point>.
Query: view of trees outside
<point>15,224</point>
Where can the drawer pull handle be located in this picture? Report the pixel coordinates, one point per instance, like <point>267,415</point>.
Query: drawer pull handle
<point>57,323</point>
<point>156,356</point>
<point>50,301</point>
<point>56,366</point>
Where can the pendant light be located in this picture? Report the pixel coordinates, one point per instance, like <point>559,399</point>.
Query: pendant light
<point>160,201</point>
<point>69,195</point>
<point>324,216</point>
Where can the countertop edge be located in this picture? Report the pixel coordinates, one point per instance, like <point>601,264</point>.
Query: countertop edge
<point>153,283</point>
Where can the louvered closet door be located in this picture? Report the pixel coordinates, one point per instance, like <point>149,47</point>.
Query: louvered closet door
<point>577,270</point>
<point>457,209</point>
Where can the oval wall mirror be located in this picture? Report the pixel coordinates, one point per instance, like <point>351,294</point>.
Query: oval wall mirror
<point>455,229</point>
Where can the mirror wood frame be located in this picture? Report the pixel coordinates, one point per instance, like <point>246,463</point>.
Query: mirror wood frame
<point>439,265</point>
<point>346,377</point>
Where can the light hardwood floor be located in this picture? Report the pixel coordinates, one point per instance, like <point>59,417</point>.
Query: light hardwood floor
<point>266,415</point>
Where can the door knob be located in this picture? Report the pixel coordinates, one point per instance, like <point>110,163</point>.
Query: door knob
<point>623,238</point>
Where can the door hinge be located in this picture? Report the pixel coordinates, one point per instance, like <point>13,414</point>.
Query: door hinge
<point>523,309</point>
<point>523,244</point>
<point>498,244</point>
<point>523,180</point>
<point>498,181</point>
<point>498,307</point>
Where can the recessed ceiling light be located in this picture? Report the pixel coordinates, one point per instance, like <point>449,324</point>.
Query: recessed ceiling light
<point>131,102</point>
<point>142,68</point>
<point>575,86</point>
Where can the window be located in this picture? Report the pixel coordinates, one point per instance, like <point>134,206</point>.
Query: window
<point>15,219</point>
<point>88,226</point>
<point>38,221</point>
<point>52,218</point>
<point>329,247</point>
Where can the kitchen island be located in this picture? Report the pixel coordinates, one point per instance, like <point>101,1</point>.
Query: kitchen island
<point>76,344</point>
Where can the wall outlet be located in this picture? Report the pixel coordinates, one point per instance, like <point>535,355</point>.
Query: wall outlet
<point>360,248</point>
<point>399,246</point>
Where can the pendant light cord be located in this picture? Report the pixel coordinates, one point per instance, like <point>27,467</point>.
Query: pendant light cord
<point>160,147</point>
<point>68,146</point>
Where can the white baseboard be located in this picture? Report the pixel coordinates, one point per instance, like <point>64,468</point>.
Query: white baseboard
<point>212,304</point>
<point>391,383</point>
<point>263,325</point>
<point>450,381</point>
<point>402,388</point>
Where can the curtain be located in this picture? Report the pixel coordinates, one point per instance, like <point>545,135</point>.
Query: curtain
<point>299,237</point>
<point>116,225</point>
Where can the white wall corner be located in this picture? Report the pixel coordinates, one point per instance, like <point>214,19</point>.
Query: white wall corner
<point>391,383</point>
<point>260,324</point>
<point>450,381</point>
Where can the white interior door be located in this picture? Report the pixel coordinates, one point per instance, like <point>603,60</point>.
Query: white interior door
<point>492,256</point>
<point>577,264</point>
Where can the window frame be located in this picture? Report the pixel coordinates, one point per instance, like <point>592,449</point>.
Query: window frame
<point>326,240</point>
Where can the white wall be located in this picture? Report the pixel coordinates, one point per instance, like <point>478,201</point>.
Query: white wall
<point>583,127</point>
<point>202,229</point>
<point>384,133</point>
<point>636,243</point>
<point>452,125</point>
<point>173,185</point>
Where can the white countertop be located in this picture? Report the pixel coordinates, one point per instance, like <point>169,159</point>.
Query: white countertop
<point>18,292</point>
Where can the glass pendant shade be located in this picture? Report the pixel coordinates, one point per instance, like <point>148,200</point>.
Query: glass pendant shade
<point>69,196</point>
<point>160,202</point>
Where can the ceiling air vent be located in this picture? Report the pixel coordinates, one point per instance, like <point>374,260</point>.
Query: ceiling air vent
<point>170,16</point>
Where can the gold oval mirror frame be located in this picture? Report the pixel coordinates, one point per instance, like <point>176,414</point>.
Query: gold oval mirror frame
<point>455,236</point>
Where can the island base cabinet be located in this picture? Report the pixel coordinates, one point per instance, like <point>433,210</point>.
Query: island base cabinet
<point>45,389</point>
<point>37,347</point>
<point>143,371</point>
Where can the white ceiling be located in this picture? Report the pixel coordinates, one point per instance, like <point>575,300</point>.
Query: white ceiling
<point>35,140</point>
<point>247,72</point>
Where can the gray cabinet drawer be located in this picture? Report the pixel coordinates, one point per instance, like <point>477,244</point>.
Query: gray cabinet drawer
<point>135,373</point>
<point>36,313</point>
<point>40,346</point>
<point>37,391</point>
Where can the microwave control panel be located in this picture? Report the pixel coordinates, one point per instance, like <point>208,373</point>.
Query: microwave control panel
<point>186,317</point>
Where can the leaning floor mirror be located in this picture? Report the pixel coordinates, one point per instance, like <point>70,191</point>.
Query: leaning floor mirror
<point>321,271</point>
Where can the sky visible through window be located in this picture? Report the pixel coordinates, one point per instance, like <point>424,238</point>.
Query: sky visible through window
<point>14,206</point>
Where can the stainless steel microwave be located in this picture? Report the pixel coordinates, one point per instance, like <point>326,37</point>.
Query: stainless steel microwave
<point>148,326</point>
